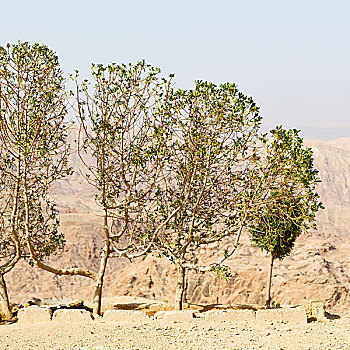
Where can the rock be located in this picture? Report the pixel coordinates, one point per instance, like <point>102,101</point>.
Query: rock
<point>149,307</point>
<point>72,315</point>
<point>291,315</point>
<point>315,310</point>
<point>183,315</point>
<point>124,315</point>
<point>230,315</point>
<point>34,314</point>
<point>55,303</point>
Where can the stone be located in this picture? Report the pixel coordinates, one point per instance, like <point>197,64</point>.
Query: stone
<point>291,315</point>
<point>182,315</point>
<point>124,315</point>
<point>230,315</point>
<point>34,314</point>
<point>72,315</point>
<point>315,310</point>
<point>56,303</point>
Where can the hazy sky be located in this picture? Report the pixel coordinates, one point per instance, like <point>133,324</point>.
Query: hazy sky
<point>293,57</point>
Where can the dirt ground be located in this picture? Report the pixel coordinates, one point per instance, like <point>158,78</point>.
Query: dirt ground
<point>161,334</point>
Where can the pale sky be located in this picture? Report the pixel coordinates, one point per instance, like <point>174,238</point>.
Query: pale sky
<point>293,57</point>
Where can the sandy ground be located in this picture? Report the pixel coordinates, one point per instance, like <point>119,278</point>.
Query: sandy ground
<point>160,334</point>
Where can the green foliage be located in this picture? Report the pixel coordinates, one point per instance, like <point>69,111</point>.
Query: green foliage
<point>276,230</point>
<point>276,305</point>
<point>122,122</point>
<point>212,134</point>
<point>221,271</point>
<point>288,189</point>
<point>33,144</point>
<point>173,169</point>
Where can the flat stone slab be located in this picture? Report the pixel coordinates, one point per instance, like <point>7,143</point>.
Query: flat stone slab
<point>291,315</point>
<point>34,314</point>
<point>124,315</point>
<point>230,315</point>
<point>183,315</point>
<point>56,303</point>
<point>72,315</point>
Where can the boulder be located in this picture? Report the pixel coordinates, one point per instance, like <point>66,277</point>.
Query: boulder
<point>230,315</point>
<point>183,315</point>
<point>55,303</point>
<point>315,310</point>
<point>34,314</point>
<point>124,315</point>
<point>72,315</point>
<point>291,315</point>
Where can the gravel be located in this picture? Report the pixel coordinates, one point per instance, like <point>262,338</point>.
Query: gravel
<point>163,334</point>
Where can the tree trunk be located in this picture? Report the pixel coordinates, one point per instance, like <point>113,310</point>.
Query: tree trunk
<point>181,274</point>
<point>97,301</point>
<point>269,280</point>
<point>5,309</point>
<point>185,289</point>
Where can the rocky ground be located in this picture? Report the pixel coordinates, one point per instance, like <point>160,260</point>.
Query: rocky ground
<point>161,334</point>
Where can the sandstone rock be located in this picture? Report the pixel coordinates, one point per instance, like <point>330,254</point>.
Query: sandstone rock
<point>55,303</point>
<point>72,315</point>
<point>230,315</point>
<point>315,310</point>
<point>124,315</point>
<point>34,314</point>
<point>291,315</point>
<point>183,315</point>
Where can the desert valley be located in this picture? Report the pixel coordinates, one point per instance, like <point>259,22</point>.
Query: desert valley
<point>318,268</point>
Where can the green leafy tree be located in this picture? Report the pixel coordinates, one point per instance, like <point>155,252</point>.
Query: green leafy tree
<point>212,135</point>
<point>32,155</point>
<point>288,199</point>
<point>275,232</point>
<point>121,129</point>
<point>10,242</point>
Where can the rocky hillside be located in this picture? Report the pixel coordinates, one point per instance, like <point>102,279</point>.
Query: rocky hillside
<point>319,267</point>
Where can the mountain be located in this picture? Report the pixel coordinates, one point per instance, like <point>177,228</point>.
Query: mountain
<point>318,269</point>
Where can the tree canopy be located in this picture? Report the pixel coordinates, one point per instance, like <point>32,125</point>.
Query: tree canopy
<point>172,169</point>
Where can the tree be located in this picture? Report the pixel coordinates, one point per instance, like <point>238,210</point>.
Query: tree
<point>33,154</point>
<point>121,124</point>
<point>212,136</point>
<point>10,245</point>
<point>275,232</point>
<point>43,150</point>
<point>290,201</point>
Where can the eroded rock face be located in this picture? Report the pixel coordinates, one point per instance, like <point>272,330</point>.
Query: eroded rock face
<point>318,269</point>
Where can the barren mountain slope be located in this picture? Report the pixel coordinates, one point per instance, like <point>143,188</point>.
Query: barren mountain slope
<point>319,267</point>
